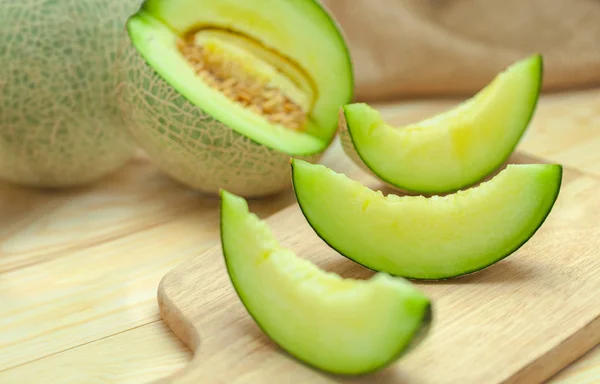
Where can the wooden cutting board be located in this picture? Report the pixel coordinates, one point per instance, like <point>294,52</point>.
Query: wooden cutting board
<point>519,321</point>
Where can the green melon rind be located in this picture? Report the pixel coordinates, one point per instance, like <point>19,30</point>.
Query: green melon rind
<point>335,244</point>
<point>190,145</point>
<point>60,124</point>
<point>419,335</point>
<point>351,149</point>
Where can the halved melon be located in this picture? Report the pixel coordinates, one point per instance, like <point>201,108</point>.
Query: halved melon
<point>427,238</point>
<point>221,93</point>
<point>60,124</point>
<point>343,326</point>
<point>454,149</point>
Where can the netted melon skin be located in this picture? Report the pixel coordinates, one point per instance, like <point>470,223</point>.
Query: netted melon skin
<point>190,145</point>
<point>348,146</point>
<point>59,118</point>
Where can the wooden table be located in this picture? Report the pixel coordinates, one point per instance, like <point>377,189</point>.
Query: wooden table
<point>79,268</point>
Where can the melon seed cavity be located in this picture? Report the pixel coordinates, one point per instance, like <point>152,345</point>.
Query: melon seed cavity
<point>241,84</point>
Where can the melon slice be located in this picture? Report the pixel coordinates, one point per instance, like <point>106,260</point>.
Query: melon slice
<point>454,149</point>
<point>338,325</point>
<point>427,238</point>
<point>220,93</point>
<point>60,124</point>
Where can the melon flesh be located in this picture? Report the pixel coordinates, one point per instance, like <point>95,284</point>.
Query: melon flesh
<point>300,31</point>
<point>343,326</point>
<point>165,57</point>
<point>427,238</point>
<point>222,93</point>
<point>250,75</point>
<point>59,118</point>
<point>454,149</point>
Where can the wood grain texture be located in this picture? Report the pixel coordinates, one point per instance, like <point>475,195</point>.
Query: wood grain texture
<point>584,371</point>
<point>62,220</point>
<point>397,46</point>
<point>96,258</point>
<point>113,359</point>
<point>532,313</point>
<point>127,227</point>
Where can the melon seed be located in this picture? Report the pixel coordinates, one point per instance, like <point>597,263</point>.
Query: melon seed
<point>229,77</point>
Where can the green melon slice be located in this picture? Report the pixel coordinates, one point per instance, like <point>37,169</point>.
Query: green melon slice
<point>60,124</point>
<point>454,149</point>
<point>338,325</point>
<point>221,93</point>
<point>427,238</point>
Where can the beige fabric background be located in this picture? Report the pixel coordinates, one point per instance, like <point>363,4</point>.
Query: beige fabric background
<point>407,48</point>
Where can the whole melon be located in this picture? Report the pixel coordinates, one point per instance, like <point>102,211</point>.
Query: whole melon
<point>60,124</point>
<point>222,93</point>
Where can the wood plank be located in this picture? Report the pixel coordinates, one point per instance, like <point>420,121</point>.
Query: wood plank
<point>532,313</point>
<point>584,371</point>
<point>39,225</point>
<point>110,360</point>
<point>152,352</point>
<point>95,291</point>
<point>90,293</point>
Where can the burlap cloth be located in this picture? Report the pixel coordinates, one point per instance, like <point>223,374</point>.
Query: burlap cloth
<point>412,48</point>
